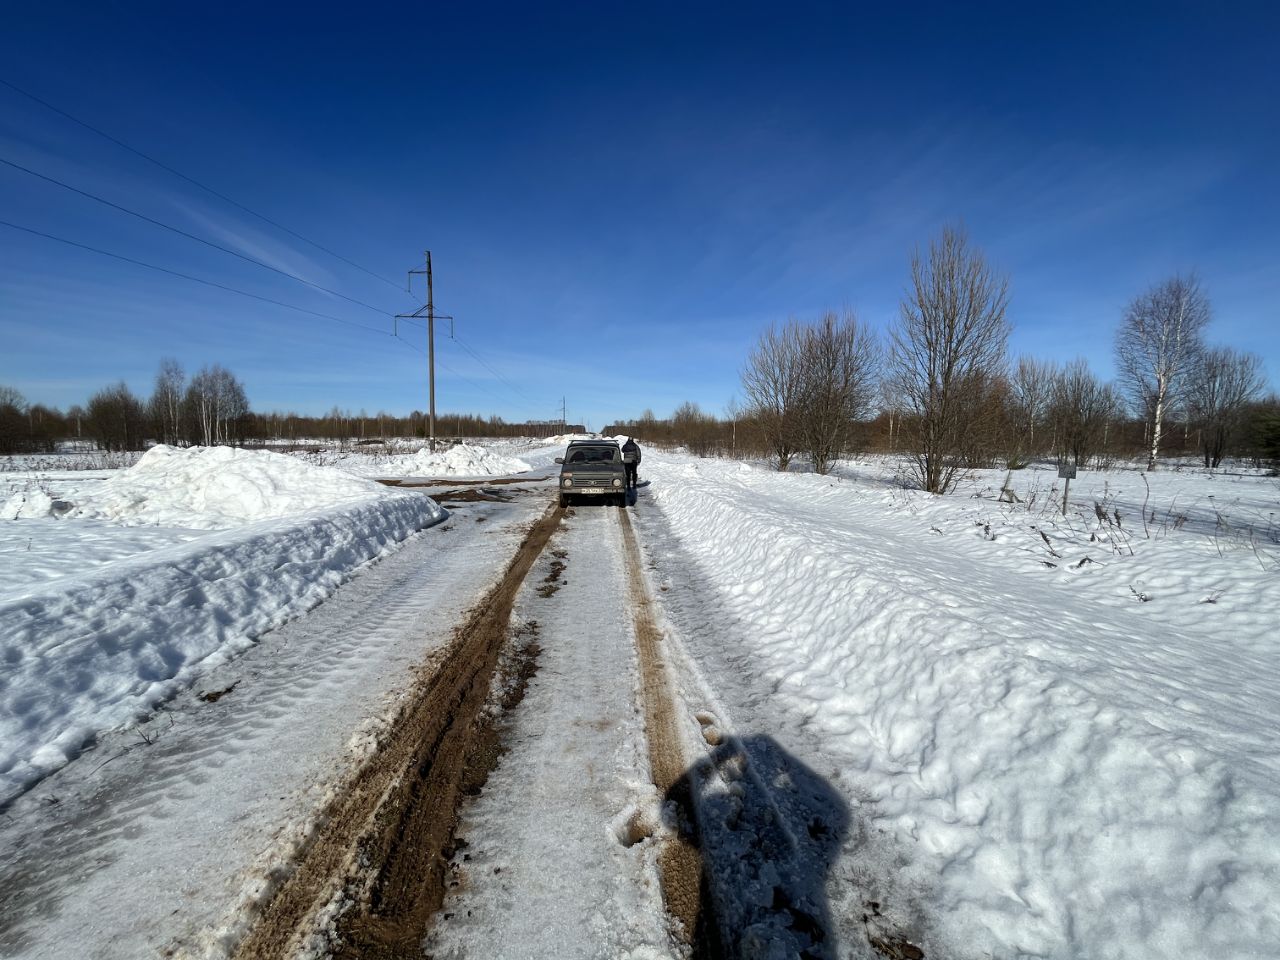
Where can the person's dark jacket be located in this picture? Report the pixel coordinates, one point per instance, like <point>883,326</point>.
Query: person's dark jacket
<point>632,448</point>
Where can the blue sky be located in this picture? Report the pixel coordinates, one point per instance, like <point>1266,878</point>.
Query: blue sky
<point>618,198</point>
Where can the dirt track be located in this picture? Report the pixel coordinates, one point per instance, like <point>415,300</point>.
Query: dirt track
<point>379,860</point>
<point>680,861</point>
<point>382,842</point>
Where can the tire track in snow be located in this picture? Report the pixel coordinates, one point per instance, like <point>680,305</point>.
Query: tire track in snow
<point>680,861</point>
<point>381,846</point>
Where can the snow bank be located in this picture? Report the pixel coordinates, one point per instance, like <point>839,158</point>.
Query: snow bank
<point>26,504</point>
<point>212,488</point>
<point>1083,779</point>
<point>462,460</point>
<point>89,652</point>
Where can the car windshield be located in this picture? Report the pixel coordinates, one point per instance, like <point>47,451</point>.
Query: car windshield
<point>593,455</point>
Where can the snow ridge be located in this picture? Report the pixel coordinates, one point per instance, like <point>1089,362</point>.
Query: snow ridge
<point>1070,805</point>
<point>87,653</point>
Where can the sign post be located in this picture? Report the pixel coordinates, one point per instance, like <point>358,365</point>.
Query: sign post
<point>1066,473</point>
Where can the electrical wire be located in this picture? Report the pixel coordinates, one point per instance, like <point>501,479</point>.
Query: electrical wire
<point>439,362</point>
<point>187,276</point>
<point>510,386</point>
<point>177,173</point>
<point>189,236</point>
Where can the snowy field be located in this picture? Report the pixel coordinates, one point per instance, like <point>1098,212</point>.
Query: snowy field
<point>1061,730</point>
<point>117,590</point>
<point>1044,735</point>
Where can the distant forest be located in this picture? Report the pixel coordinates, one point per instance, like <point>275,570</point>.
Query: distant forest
<point>211,408</point>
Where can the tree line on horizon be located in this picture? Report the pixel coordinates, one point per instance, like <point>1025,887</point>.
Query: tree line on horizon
<point>942,391</point>
<point>939,389</point>
<point>211,408</point>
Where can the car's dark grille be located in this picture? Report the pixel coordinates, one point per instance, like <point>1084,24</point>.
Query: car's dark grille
<point>592,482</point>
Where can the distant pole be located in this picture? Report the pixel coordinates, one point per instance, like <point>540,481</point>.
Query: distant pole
<point>430,309</point>
<point>431,354</point>
<point>1066,489</point>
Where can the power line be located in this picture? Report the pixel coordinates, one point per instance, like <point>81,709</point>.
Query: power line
<point>515,391</point>
<point>192,180</point>
<point>510,386</point>
<point>187,276</point>
<point>418,350</point>
<point>190,236</point>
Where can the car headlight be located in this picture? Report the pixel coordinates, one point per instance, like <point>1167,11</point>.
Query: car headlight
<point>617,482</point>
<point>568,481</point>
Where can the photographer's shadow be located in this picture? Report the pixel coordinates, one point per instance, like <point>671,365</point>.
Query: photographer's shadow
<point>768,830</point>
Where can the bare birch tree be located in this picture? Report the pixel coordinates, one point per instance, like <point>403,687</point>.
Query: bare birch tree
<point>1157,345</point>
<point>1219,389</point>
<point>215,401</point>
<point>949,341</point>
<point>166,401</point>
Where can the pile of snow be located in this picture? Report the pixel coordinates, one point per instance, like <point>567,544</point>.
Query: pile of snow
<point>1083,776</point>
<point>212,488</point>
<point>91,651</point>
<point>462,460</point>
<point>26,504</point>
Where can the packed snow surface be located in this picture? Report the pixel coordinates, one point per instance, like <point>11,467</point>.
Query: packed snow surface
<point>100,643</point>
<point>1068,723</point>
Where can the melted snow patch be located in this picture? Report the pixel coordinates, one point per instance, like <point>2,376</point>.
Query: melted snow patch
<point>212,488</point>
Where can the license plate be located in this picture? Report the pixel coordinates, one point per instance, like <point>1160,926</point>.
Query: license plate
<point>589,490</point>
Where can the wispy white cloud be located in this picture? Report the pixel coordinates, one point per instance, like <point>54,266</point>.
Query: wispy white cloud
<point>253,243</point>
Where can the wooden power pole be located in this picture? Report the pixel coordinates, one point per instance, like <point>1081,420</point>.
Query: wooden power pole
<point>429,312</point>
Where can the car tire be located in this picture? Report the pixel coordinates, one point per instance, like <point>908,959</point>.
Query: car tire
<point>564,500</point>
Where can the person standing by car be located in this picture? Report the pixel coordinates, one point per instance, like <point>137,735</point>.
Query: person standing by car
<point>631,460</point>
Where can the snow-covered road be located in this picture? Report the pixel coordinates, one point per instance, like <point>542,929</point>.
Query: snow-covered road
<point>549,868</point>
<point>163,839</point>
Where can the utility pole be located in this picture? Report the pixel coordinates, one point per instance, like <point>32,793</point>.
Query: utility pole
<point>563,414</point>
<point>429,311</point>
<point>431,355</point>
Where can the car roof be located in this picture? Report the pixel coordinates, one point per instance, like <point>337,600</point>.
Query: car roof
<point>594,442</point>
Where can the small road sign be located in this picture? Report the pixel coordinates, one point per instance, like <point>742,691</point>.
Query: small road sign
<point>1066,471</point>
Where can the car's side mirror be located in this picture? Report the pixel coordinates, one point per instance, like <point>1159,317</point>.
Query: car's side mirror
<point>559,459</point>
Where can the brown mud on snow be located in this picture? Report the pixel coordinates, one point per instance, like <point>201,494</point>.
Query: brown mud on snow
<point>679,861</point>
<point>384,842</point>
<point>448,482</point>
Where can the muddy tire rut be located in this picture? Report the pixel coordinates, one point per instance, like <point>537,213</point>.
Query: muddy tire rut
<point>379,855</point>
<point>679,860</point>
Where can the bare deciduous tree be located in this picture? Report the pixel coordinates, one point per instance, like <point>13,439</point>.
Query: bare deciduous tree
<point>838,359</point>
<point>166,401</point>
<point>1081,409</point>
<point>1157,345</point>
<point>1220,387</point>
<point>215,401</point>
<point>948,344</point>
<point>772,382</point>
<point>116,418</point>
<point>1030,392</point>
